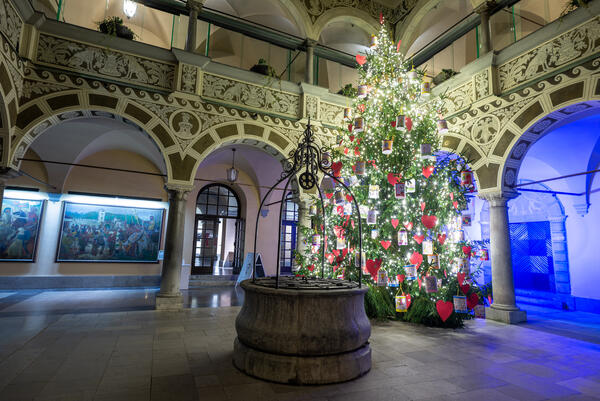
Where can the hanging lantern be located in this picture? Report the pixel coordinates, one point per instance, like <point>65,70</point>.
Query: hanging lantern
<point>425,150</point>
<point>386,146</point>
<point>402,237</point>
<point>442,126</point>
<point>427,247</point>
<point>359,169</point>
<point>411,271</point>
<point>431,284</point>
<point>466,178</point>
<point>348,209</point>
<point>374,191</point>
<point>433,261</point>
<point>340,243</point>
<point>401,122</point>
<point>463,265</point>
<point>485,255</point>
<point>364,210</point>
<point>327,184</point>
<point>353,180</point>
<point>374,41</point>
<point>339,198</point>
<point>460,304</point>
<point>316,240</point>
<point>372,217</point>
<point>382,278</point>
<point>393,281</point>
<point>348,113</point>
<point>401,303</point>
<point>411,186</point>
<point>312,210</point>
<point>374,233</point>
<point>363,91</point>
<point>425,88</point>
<point>400,190</point>
<point>459,235</point>
<point>359,124</point>
<point>413,75</point>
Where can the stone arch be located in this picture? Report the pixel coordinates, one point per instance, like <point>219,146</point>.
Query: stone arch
<point>37,116</point>
<point>298,15</point>
<point>406,30</point>
<point>8,108</point>
<point>360,18</point>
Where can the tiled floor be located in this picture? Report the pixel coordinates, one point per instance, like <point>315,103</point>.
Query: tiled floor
<point>46,354</point>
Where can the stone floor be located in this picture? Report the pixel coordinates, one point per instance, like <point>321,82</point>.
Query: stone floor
<point>108,345</point>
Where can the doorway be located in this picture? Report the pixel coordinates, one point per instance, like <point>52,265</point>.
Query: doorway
<point>219,232</point>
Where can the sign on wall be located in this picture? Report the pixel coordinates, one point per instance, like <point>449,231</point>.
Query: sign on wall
<point>19,229</point>
<point>102,233</point>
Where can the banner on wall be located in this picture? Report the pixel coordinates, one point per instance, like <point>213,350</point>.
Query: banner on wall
<point>19,229</point>
<point>103,233</point>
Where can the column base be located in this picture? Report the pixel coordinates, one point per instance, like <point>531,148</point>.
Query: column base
<point>171,302</point>
<point>508,316</point>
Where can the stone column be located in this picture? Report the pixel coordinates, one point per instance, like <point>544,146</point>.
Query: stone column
<point>303,221</point>
<point>169,297</point>
<point>310,55</point>
<point>194,7</point>
<point>484,29</point>
<point>504,308</point>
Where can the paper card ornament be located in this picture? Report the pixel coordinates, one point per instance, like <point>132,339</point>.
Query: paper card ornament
<point>363,91</point>
<point>372,217</point>
<point>359,124</point>
<point>360,166</point>
<point>353,180</point>
<point>484,254</point>
<point>385,244</point>
<point>374,233</point>
<point>459,235</point>
<point>360,59</point>
<point>348,209</point>
<point>463,265</point>
<point>364,210</point>
<point>374,41</point>
<point>479,311</point>
<point>460,303</point>
<point>425,88</point>
<point>466,220</point>
<point>413,75</point>
<point>400,122</point>
<point>402,237</point>
<point>410,271</point>
<point>340,243</point>
<point>327,184</point>
<point>429,221</point>
<point>401,303</point>
<point>433,261</point>
<point>386,146</point>
<point>411,186</point>
<point>348,113</point>
<point>395,222</point>
<point>442,126</point>
<point>339,198</point>
<point>316,240</point>
<point>425,149</point>
<point>427,247</point>
<point>431,284</point>
<point>360,262</point>
<point>312,210</point>
<point>399,190</point>
<point>393,281</point>
<point>374,191</point>
<point>382,278</point>
<point>444,309</point>
<point>466,178</point>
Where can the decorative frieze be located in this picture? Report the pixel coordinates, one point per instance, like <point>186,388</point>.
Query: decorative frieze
<point>10,23</point>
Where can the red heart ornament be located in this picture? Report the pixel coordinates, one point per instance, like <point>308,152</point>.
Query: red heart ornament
<point>423,204</point>
<point>340,210</point>
<point>420,282</point>
<point>361,107</point>
<point>393,123</point>
<point>336,252</point>
<point>427,171</point>
<point>489,297</point>
<point>356,151</point>
<point>465,288</point>
<point>330,257</point>
<point>360,59</point>
<point>461,278</point>
<point>393,178</point>
<point>441,238</point>
<point>472,300</point>
<point>395,222</point>
<point>373,266</point>
<point>349,198</point>
<point>419,238</point>
<point>398,46</point>
<point>337,168</point>
<point>329,196</point>
<point>346,151</point>
<point>408,123</point>
<point>344,252</point>
<point>386,244</point>
<point>401,278</point>
<point>311,267</point>
<point>466,250</point>
<point>444,309</point>
<point>416,259</point>
<point>455,204</point>
<point>350,127</point>
<point>351,138</point>
<point>408,300</point>
<point>452,195</point>
<point>429,221</point>
<point>408,225</point>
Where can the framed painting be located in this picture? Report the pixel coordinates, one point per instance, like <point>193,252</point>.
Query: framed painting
<point>103,233</point>
<point>19,229</point>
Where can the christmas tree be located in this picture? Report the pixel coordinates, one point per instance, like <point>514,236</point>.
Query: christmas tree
<point>415,257</point>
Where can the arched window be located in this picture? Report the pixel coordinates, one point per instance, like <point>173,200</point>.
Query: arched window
<point>219,240</point>
<point>289,234</point>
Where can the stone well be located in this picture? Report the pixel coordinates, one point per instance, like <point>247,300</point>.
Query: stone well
<point>306,332</point>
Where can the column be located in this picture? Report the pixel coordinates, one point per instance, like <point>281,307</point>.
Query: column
<point>194,7</point>
<point>484,29</point>
<point>504,308</point>
<point>169,297</point>
<point>303,221</point>
<point>6,173</point>
<point>310,55</point>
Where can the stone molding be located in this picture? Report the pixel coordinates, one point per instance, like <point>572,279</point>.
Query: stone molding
<point>498,199</point>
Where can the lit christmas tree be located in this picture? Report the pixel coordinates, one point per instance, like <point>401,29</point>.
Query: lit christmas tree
<point>410,194</point>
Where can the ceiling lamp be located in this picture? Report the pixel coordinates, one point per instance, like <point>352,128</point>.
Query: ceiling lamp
<point>232,173</point>
<point>129,8</point>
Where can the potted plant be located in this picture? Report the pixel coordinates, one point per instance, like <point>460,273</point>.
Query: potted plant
<point>446,73</point>
<point>114,26</point>
<point>348,91</point>
<point>573,5</point>
<point>263,68</point>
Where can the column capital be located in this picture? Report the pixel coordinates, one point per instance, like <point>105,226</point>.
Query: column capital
<point>7,173</point>
<point>498,198</point>
<point>310,42</point>
<point>178,191</point>
<point>483,6</point>
<point>195,5</point>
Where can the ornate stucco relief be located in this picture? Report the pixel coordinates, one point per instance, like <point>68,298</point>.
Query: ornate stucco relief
<point>189,78</point>
<point>10,23</point>
<point>88,59</point>
<point>332,114</point>
<point>316,8</point>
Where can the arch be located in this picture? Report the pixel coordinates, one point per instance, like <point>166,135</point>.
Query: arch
<point>8,108</point>
<point>37,116</point>
<point>406,30</point>
<point>203,199</point>
<point>360,18</point>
